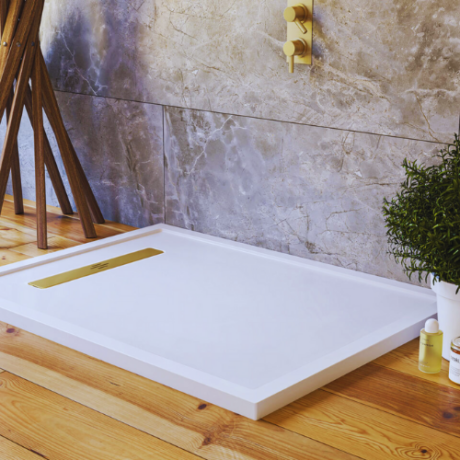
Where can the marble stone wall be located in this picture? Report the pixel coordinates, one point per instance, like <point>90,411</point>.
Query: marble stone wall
<point>308,191</point>
<point>384,67</point>
<point>183,111</point>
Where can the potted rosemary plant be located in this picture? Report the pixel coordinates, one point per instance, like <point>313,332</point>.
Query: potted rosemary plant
<point>423,229</point>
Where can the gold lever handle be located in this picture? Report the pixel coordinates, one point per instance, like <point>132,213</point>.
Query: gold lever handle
<point>297,14</point>
<point>294,48</point>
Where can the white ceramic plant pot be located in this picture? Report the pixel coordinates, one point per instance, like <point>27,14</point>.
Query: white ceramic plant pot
<point>448,313</point>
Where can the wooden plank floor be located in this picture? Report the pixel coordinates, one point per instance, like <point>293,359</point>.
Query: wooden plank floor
<point>59,404</point>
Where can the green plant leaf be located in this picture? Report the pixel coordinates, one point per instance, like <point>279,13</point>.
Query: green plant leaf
<point>423,219</point>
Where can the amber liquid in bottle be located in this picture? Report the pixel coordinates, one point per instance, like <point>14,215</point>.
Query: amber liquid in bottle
<point>430,356</point>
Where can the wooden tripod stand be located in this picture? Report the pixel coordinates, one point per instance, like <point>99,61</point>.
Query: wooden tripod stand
<point>21,59</point>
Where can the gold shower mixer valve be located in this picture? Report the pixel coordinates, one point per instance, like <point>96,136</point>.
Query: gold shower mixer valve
<point>299,17</point>
<point>294,48</point>
<point>297,14</point>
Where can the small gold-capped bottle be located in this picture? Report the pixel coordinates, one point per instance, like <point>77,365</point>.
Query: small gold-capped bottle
<point>430,356</point>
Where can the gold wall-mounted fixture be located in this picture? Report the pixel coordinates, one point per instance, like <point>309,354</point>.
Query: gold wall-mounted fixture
<point>297,14</point>
<point>294,48</point>
<point>299,17</point>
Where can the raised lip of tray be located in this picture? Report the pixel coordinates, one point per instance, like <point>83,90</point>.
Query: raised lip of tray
<point>111,350</point>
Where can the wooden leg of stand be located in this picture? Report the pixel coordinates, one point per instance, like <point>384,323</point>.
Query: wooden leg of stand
<point>39,143</point>
<point>16,51</point>
<point>86,188</point>
<point>92,202</point>
<point>18,101</point>
<point>15,169</point>
<point>50,163</point>
<point>55,119</point>
<point>14,121</point>
<point>16,182</point>
<point>10,12</point>
<point>4,4</point>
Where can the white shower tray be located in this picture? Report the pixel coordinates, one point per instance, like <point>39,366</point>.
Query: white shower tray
<point>244,328</point>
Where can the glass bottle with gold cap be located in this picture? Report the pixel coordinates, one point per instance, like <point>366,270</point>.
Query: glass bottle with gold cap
<point>430,356</point>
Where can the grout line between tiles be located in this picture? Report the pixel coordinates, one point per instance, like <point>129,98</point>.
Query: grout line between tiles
<point>257,118</point>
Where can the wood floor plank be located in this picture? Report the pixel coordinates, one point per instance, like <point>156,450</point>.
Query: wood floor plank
<point>55,243</point>
<point>405,359</point>
<point>11,451</point>
<point>33,205</point>
<point>60,429</point>
<point>364,431</point>
<point>13,237</point>
<point>5,223</point>
<point>206,430</point>
<point>404,395</point>
<point>57,211</point>
<point>58,224</point>
<point>9,257</point>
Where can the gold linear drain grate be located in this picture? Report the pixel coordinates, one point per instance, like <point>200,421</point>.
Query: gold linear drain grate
<point>89,270</point>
